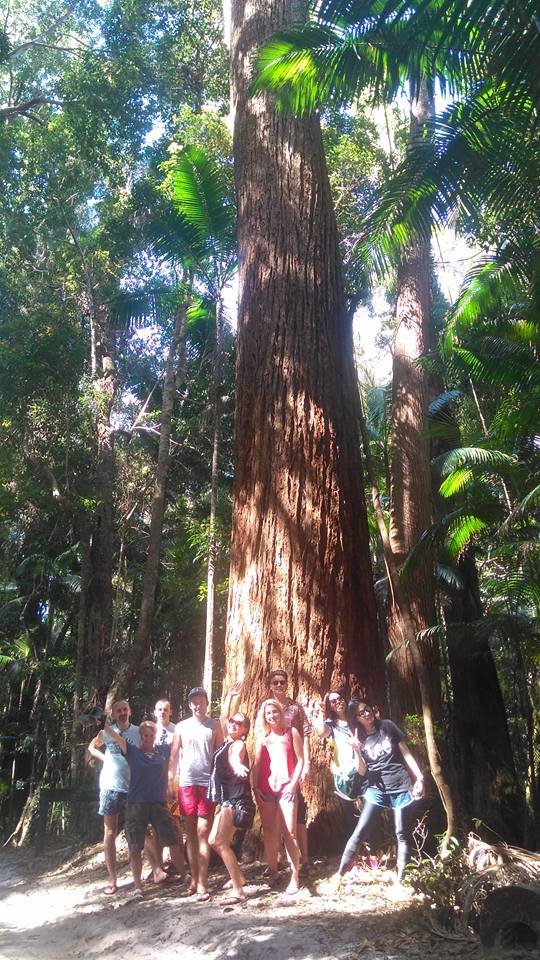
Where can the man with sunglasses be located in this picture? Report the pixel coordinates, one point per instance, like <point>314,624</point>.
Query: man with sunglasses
<point>295,716</point>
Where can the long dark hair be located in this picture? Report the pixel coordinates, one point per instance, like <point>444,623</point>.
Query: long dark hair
<point>354,725</point>
<point>329,712</point>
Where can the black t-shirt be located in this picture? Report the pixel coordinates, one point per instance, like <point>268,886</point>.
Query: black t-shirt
<point>384,760</point>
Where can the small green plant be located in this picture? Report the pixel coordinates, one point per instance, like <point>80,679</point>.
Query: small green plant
<point>439,881</point>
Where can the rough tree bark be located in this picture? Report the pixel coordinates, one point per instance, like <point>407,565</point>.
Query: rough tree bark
<point>410,464</point>
<point>301,591</point>
<point>208,670</point>
<point>130,669</point>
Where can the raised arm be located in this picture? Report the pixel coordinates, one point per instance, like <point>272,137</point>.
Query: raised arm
<point>121,741</point>
<point>319,724</point>
<point>418,785</point>
<point>228,698</point>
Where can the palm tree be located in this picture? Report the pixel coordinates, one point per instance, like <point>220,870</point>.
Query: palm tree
<point>196,233</point>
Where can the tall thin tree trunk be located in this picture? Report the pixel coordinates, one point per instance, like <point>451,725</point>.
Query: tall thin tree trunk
<point>99,598</point>
<point>301,591</point>
<point>410,465</point>
<point>407,631</point>
<point>76,754</point>
<point>131,667</point>
<point>488,784</point>
<point>212,532</point>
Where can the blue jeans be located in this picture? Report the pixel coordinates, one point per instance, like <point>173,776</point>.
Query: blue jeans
<point>369,812</point>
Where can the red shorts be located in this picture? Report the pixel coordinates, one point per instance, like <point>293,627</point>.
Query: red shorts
<point>194,802</point>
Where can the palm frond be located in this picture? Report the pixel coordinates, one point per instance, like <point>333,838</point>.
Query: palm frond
<point>461,532</point>
<point>456,481</point>
<point>448,576</point>
<point>201,197</point>
<point>442,401</point>
<point>471,457</point>
<point>521,509</point>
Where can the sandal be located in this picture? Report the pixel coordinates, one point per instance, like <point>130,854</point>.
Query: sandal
<point>203,897</point>
<point>232,901</point>
<point>110,890</point>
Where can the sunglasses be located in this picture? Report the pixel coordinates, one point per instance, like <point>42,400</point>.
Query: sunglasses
<point>366,712</point>
<point>333,700</point>
<point>235,721</point>
<point>279,683</point>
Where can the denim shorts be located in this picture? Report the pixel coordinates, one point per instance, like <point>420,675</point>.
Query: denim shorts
<point>111,802</point>
<point>379,798</point>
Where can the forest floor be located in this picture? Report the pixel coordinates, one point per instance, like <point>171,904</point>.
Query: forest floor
<point>52,908</point>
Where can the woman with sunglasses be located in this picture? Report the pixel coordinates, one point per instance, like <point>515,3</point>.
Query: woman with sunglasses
<point>279,759</point>
<point>230,788</point>
<point>384,756</point>
<point>330,722</point>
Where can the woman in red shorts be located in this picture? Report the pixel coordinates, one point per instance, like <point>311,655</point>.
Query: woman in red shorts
<point>276,774</point>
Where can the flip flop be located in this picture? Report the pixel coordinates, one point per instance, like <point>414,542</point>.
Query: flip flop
<point>203,897</point>
<point>137,894</point>
<point>110,890</point>
<point>232,901</point>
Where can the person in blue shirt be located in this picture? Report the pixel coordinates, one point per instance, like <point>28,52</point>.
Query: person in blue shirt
<point>147,801</point>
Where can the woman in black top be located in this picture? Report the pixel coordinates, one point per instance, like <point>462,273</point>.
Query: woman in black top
<point>384,756</point>
<point>230,788</point>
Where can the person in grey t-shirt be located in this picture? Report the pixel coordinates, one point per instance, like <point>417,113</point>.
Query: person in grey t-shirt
<point>194,743</point>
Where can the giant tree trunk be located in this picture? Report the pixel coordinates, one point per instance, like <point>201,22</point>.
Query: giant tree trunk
<point>131,667</point>
<point>410,465</point>
<point>488,786</point>
<point>301,591</point>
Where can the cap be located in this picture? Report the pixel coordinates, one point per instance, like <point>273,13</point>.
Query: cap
<point>197,692</point>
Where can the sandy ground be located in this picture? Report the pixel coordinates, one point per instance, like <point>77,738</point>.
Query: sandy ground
<point>52,908</point>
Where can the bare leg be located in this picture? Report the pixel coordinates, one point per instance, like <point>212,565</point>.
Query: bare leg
<point>192,841</point>
<point>287,811</point>
<point>110,829</point>
<point>204,825</point>
<point>302,840</point>
<point>220,840</point>
<point>152,850</point>
<point>177,858</point>
<point>270,824</point>
<point>135,859</point>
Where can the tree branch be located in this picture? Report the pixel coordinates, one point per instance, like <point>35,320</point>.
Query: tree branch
<point>35,40</point>
<point>26,106</point>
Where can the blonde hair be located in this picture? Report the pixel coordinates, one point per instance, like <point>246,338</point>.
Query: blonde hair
<point>262,722</point>
<point>148,724</point>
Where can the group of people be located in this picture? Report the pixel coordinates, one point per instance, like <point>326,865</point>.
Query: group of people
<point>199,769</point>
